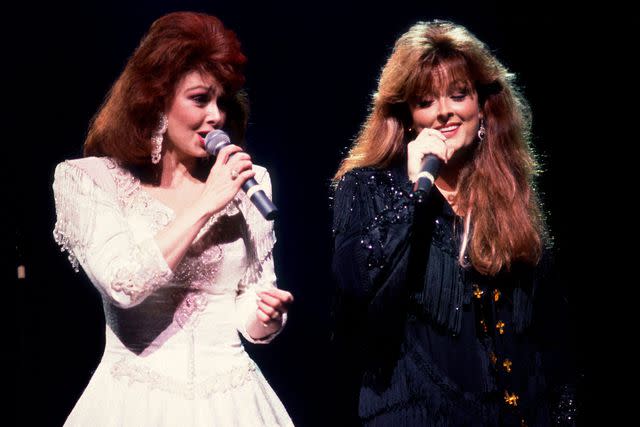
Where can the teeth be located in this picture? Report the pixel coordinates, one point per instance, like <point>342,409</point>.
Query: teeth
<point>448,128</point>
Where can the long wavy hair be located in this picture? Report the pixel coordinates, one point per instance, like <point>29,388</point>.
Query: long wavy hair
<point>495,190</point>
<point>176,44</point>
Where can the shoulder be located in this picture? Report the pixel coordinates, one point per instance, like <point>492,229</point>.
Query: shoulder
<point>355,181</point>
<point>91,166</point>
<point>369,181</point>
<point>87,164</point>
<point>90,171</point>
<point>363,193</point>
<point>359,175</point>
<point>355,197</point>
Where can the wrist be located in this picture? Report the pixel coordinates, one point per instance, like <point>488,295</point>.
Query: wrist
<point>259,330</point>
<point>205,209</point>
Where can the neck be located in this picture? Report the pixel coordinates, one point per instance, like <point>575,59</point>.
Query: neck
<point>448,179</point>
<point>176,169</point>
<point>447,185</point>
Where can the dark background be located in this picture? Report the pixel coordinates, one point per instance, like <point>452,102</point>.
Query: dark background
<point>312,68</point>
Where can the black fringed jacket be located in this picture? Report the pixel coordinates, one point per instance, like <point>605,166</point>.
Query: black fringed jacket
<point>422,336</point>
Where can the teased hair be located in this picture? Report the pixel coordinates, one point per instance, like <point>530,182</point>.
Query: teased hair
<point>495,188</point>
<point>175,45</point>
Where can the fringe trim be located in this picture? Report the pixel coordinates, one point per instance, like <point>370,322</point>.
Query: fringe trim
<point>73,229</point>
<point>260,235</point>
<point>443,292</point>
<point>522,310</point>
<point>354,200</point>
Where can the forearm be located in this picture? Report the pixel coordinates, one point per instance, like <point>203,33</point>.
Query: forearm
<point>176,238</point>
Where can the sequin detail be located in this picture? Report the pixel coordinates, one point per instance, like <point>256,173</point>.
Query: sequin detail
<point>566,410</point>
<point>397,209</point>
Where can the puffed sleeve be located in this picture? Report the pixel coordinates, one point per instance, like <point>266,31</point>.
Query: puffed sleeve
<point>91,227</point>
<point>260,274</point>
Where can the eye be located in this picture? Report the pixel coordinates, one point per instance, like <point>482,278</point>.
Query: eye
<point>424,103</point>
<point>201,98</point>
<point>459,97</point>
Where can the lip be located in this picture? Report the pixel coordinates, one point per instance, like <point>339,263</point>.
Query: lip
<point>453,129</point>
<point>201,137</point>
<point>448,125</point>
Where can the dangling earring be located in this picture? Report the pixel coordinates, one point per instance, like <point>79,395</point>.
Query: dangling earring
<point>482,131</point>
<point>156,140</point>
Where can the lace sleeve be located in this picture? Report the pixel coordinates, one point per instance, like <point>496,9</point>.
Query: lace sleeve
<point>260,272</point>
<point>91,228</point>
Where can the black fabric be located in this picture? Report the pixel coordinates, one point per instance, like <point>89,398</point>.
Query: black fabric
<point>418,335</point>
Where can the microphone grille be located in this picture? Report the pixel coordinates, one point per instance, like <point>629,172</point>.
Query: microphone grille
<point>215,141</point>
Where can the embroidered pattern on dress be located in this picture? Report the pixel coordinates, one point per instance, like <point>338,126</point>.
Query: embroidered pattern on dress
<point>190,303</point>
<point>126,183</point>
<point>218,383</point>
<point>134,276</point>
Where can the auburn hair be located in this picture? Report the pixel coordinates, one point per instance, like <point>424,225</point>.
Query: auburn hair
<point>495,190</point>
<point>176,44</point>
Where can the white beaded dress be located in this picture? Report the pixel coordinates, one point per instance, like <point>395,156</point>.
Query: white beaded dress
<point>173,355</point>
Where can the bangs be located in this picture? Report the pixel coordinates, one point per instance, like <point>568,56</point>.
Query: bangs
<point>438,75</point>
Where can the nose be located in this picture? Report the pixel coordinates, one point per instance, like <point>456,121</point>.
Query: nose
<point>444,109</point>
<point>215,116</point>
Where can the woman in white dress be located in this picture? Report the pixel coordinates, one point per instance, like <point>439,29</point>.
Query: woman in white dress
<point>181,258</point>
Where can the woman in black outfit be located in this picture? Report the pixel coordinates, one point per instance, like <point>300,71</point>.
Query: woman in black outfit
<point>448,311</point>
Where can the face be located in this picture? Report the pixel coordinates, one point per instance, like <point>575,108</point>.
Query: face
<point>193,113</point>
<point>454,112</point>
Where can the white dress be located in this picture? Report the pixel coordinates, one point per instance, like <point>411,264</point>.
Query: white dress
<point>173,355</point>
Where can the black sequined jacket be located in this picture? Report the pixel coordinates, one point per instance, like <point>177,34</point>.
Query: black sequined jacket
<point>428,342</point>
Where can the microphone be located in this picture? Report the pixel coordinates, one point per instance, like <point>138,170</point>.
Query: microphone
<point>215,141</point>
<point>427,176</point>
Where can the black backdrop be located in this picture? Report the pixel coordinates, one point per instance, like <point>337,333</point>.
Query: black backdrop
<point>311,70</point>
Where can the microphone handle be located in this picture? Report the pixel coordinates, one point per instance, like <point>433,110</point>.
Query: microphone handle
<point>427,177</point>
<point>260,199</point>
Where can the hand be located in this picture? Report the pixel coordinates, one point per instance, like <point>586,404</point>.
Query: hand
<point>231,169</point>
<point>273,303</point>
<point>428,141</point>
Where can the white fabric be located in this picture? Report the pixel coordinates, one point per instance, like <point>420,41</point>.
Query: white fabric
<point>173,355</point>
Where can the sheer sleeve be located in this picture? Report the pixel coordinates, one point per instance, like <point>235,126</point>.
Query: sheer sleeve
<point>260,274</point>
<point>91,227</point>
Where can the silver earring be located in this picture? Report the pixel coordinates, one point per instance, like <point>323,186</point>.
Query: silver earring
<point>156,140</point>
<point>482,131</point>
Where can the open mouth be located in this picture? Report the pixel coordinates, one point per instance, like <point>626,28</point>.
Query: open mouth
<point>449,128</point>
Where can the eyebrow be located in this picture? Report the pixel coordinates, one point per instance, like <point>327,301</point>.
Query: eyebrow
<point>207,88</point>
